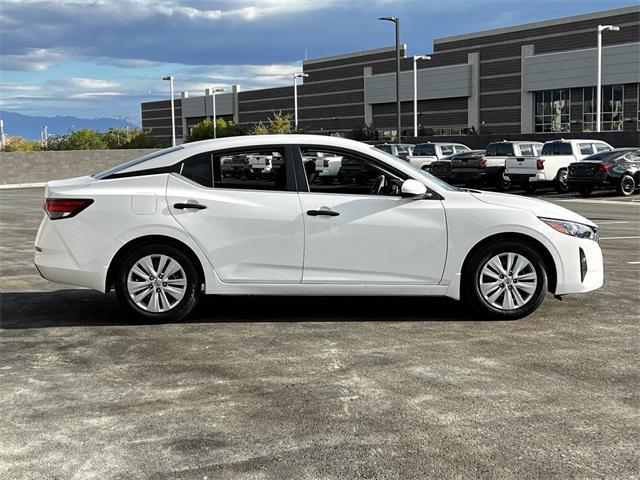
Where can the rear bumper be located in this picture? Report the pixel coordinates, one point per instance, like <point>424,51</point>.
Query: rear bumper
<point>592,182</point>
<point>469,176</point>
<point>521,178</point>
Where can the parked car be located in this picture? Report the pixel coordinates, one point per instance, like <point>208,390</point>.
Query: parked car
<point>426,153</point>
<point>492,170</point>
<point>455,168</point>
<point>400,150</point>
<point>327,166</point>
<point>553,163</point>
<point>167,227</point>
<point>617,169</point>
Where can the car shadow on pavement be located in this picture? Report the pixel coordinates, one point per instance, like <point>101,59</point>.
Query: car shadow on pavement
<point>79,307</point>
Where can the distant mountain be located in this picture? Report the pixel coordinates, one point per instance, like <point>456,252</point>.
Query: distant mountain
<point>30,127</point>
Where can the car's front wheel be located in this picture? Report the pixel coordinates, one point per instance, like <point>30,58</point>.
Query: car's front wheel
<point>505,281</point>
<point>157,282</point>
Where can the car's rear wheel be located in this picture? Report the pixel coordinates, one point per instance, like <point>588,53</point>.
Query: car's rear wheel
<point>505,281</point>
<point>561,183</point>
<point>626,186</point>
<point>157,282</point>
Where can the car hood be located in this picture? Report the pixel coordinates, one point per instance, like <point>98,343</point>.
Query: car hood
<point>540,208</point>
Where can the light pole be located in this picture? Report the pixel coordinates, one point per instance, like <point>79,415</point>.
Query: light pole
<point>396,21</point>
<point>295,97</point>
<point>601,28</point>
<point>415,90</point>
<point>213,111</point>
<point>173,112</point>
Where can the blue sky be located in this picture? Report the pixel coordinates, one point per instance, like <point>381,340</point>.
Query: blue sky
<point>92,58</point>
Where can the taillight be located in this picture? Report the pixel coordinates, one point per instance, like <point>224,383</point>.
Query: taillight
<point>58,208</point>
<point>483,163</point>
<point>325,163</point>
<point>603,167</point>
<point>540,164</point>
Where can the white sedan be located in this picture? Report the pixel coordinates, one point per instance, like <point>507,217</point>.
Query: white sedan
<point>166,228</point>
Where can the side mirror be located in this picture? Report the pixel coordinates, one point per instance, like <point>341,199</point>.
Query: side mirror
<point>412,188</point>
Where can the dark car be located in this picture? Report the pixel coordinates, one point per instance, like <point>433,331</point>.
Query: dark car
<point>617,169</point>
<point>468,168</point>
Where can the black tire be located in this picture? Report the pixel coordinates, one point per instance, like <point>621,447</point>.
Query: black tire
<point>326,180</point>
<point>503,184</point>
<point>561,184</point>
<point>627,185</point>
<point>585,191</point>
<point>471,280</point>
<point>192,289</point>
<point>530,187</point>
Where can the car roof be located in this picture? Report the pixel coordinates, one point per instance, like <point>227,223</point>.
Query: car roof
<point>567,140</point>
<point>174,155</point>
<point>518,142</point>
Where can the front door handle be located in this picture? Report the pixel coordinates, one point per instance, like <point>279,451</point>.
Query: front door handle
<point>182,206</point>
<point>328,213</point>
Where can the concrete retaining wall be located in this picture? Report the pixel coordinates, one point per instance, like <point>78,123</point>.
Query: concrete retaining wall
<point>36,167</point>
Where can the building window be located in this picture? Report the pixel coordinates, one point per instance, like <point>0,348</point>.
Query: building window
<point>611,114</point>
<point>552,110</point>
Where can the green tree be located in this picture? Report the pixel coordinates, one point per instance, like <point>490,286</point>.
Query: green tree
<point>280,123</point>
<point>204,130</point>
<point>128,138</point>
<point>19,144</point>
<point>84,139</point>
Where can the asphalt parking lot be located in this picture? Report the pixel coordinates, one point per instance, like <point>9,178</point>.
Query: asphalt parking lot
<point>305,388</point>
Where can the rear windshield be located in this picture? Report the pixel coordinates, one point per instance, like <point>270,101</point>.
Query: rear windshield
<point>384,148</point>
<point>426,149</point>
<point>556,149</point>
<point>135,161</point>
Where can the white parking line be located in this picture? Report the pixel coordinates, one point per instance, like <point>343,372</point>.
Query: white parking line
<point>615,221</point>
<point>633,263</point>
<point>22,185</point>
<point>606,202</point>
<point>618,238</point>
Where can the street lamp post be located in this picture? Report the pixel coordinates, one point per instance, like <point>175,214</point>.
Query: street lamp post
<point>396,21</point>
<point>295,97</point>
<point>415,90</point>
<point>213,109</point>
<point>601,28</point>
<point>173,113</point>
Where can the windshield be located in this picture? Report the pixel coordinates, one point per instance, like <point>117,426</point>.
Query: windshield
<point>135,161</point>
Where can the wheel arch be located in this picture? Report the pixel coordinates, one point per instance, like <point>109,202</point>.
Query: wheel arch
<point>549,263</point>
<point>146,240</point>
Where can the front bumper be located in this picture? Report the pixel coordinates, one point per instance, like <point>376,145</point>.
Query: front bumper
<point>571,278</point>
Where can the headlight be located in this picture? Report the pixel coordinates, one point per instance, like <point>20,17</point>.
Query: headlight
<point>574,229</point>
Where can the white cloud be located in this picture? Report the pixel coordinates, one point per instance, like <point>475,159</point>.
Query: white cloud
<point>87,83</point>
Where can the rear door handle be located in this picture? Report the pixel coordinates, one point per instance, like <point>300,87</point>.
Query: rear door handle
<point>182,206</point>
<point>328,213</point>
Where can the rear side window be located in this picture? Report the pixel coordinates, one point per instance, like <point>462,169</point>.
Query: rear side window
<point>556,149</point>
<point>601,147</point>
<point>427,149</point>
<point>460,149</point>
<point>585,148</point>
<point>198,169</point>
<point>259,169</point>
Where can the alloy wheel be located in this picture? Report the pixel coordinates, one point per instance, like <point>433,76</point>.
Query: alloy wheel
<point>627,185</point>
<point>508,281</point>
<point>156,283</point>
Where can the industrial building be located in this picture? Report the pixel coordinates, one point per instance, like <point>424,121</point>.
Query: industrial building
<point>536,78</point>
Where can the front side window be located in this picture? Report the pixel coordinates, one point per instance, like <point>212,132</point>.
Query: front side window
<point>601,147</point>
<point>257,169</point>
<point>611,115</point>
<point>446,149</point>
<point>346,173</point>
<point>552,110</point>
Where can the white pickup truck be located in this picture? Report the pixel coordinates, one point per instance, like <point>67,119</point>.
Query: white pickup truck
<point>552,164</point>
<point>425,153</point>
